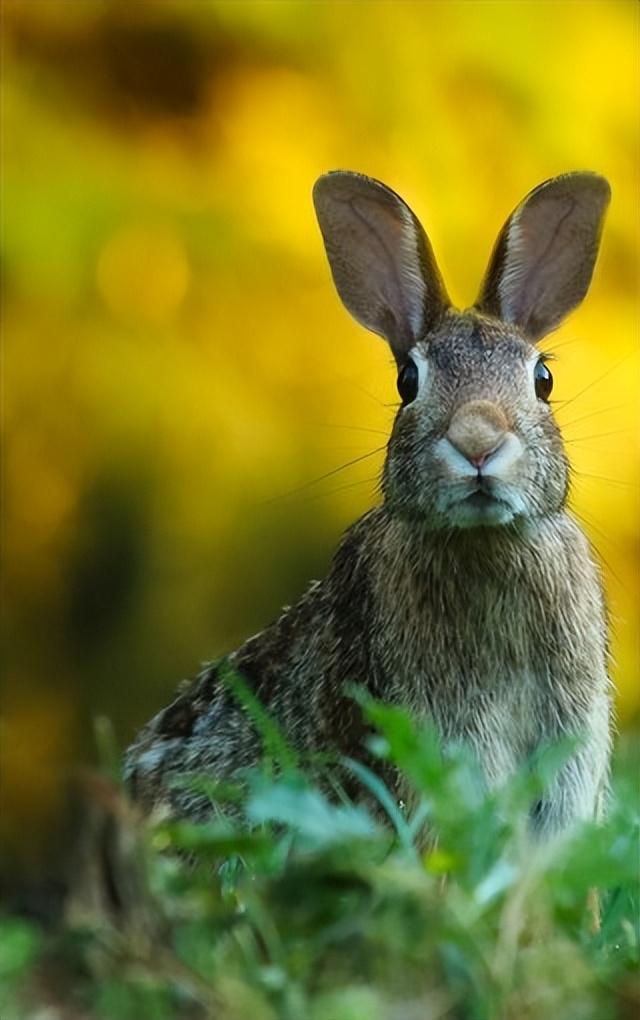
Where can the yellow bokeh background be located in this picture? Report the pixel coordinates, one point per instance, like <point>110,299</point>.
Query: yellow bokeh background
<point>177,366</point>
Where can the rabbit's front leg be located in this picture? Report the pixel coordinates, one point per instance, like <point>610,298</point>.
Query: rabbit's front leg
<point>578,790</point>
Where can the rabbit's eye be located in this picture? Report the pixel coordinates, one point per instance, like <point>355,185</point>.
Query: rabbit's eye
<point>543,381</point>
<point>408,379</point>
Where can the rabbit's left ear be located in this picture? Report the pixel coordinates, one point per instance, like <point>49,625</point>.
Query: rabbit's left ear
<point>543,260</point>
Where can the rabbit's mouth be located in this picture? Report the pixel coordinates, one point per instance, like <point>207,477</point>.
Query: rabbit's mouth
<point>482,498</point>
<point>481,506</point>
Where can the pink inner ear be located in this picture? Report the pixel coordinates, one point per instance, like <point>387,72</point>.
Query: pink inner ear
<point>393,262</point>
<point>540,253</point>
<point>544,260</point>
<point>380,259</point>
<point>372,249</point>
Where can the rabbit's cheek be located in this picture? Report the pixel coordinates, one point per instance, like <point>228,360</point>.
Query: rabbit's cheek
<point>544,471</point>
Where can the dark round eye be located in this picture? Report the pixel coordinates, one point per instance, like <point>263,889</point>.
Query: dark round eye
<point>408,382</point>
<point>543,381</point>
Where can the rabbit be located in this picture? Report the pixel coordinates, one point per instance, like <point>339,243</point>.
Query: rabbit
<point>470,595</point>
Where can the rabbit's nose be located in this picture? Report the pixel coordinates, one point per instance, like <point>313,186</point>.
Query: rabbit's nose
<point>477,431</point>
<point>479,460</point>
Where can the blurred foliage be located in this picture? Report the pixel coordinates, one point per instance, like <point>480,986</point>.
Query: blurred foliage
<point>176,361</point>
<point>304,909</point>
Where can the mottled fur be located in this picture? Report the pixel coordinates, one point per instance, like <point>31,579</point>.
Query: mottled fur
<point>496,631</point>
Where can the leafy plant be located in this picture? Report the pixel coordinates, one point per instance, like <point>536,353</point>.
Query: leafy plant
<point>299,905</point>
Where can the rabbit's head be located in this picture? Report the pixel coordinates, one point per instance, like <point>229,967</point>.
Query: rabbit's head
<point>474,442</point>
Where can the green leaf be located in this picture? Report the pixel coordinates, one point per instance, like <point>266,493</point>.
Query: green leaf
<point>292,803</point>
<point>213,839</point>
<point>274,743</point>
<point>20,944</point>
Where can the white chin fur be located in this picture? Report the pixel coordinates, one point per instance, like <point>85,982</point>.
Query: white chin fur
<point>464,515</point>
<point>462,512</point>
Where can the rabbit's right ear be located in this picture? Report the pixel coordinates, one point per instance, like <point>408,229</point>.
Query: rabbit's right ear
<point>543,260</point>
<point>380,258</point>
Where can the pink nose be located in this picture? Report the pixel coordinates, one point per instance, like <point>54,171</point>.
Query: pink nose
<point>477,429</point>
<point>480,459</point>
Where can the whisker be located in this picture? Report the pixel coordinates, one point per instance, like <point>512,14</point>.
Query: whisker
<point>602,478</point>
<point>353,428</point>
<point>371,396</point>
<point>328,474</point>
<point>565,343</point>
<point>589,526</point>
<point>599,435</point>
<point>341,488</point>
<point>343,448</point>
<point>594,382</point>
<point>592,414</point>
<point>590,523</point>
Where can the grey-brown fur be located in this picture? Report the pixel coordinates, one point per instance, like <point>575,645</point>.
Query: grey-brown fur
<point>471,598</point>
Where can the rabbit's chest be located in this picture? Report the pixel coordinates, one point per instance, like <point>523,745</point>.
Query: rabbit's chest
<point>485,682</point>
<point>478,666</point>
<point>460,634</point>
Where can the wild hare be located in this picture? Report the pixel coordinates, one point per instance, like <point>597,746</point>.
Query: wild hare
<point>470,595</point>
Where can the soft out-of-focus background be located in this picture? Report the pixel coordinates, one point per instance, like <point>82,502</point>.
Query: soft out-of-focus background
<point>176,361</point>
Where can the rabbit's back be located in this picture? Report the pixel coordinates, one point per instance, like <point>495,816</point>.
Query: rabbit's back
<point>296,669</point>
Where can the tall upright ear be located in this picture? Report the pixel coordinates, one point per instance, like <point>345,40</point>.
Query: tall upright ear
<point>543,260</point>
<point>380,258</point>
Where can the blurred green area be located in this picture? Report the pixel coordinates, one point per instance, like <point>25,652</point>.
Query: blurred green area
<point>175,359</point>
<point>303,908</point>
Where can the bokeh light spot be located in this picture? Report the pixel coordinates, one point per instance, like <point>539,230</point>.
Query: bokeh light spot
<point>143,273</point>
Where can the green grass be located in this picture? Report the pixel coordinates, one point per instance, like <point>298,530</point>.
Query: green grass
<point>301,907</point>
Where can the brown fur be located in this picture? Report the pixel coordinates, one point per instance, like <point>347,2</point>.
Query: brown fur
<point>493,627</point>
